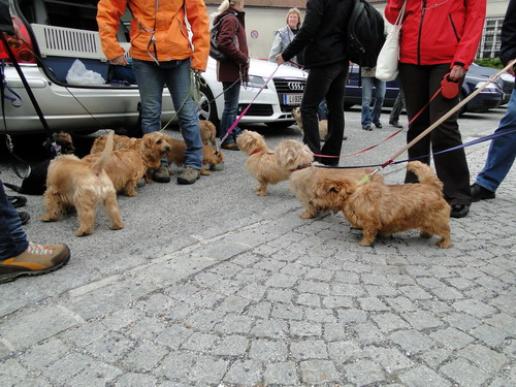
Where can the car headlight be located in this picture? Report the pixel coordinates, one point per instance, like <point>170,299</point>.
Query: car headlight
<point>256,81</point>
<point>488,85</point>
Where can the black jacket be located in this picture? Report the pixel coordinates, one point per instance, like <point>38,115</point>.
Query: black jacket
<point>5,17</point>
<point>323,33</point>
<point>508,48</point>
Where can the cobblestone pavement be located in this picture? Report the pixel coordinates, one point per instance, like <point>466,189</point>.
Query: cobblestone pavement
<point>271,299</point>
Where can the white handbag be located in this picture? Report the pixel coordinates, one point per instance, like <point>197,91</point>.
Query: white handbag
<point>387,62</point>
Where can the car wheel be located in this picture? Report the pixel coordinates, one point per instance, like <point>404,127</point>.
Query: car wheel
<point>207,106</point>
<point>280,125</point>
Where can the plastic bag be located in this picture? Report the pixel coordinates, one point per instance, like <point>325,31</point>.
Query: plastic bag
<point>78,74</point>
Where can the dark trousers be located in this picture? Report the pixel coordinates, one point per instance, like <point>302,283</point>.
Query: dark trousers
<point>399,105</point>
<point>325,82</point>
<point>13,240</point>
<point>419,83</point>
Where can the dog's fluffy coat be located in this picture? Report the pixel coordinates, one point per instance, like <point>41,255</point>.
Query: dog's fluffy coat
<point>262,162</point>
<point>386,209</point>
<point>323,124</point>
<point>304,179</point>
<point>133,160</point>
<point>72,182</point>
<point>177,151</point>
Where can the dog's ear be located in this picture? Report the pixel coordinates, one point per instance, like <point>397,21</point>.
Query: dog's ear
<point>328,186</point>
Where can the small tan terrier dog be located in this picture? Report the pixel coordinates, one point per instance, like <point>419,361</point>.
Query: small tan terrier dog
<point>133,160</point>
<point>208,133</point>
<point>72,182</point>
<point>377,208</point>
<point>305,177</point>
<point>262,162</point>
<point>323,124</point>
<point>177,151</point>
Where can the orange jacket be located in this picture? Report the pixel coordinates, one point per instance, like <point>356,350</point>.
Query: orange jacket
<point>171,34</point>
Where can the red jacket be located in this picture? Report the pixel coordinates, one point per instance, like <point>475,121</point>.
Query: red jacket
<point>232,42</point>
<point>439,31</point>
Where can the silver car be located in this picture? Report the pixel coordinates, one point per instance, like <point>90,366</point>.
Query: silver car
<point>52,41</point>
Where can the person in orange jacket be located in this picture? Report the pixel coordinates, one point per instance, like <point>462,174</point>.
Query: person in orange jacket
<point>162,53</point>
<point>438,39</point>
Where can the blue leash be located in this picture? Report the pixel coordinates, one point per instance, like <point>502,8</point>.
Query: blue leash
<point>453,148</point>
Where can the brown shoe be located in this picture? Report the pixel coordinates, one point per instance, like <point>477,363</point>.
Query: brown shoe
<point>230,146</point>
<point>36,260</point>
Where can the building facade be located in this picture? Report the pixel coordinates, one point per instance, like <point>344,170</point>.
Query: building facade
<point>264,17</point>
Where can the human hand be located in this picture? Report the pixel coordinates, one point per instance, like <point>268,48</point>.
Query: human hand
<point>457,73</point>
<point>120,61</point>
<point>512,70</point>
<point>280,60</point>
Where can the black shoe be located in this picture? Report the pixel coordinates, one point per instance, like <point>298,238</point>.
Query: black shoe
<point>480,193</point>
<point>459,210</point>
<point>396,124</point>
<point>378,125</point>
<point>17,201</point>
<point>24,217</point>
<point>344,138</point>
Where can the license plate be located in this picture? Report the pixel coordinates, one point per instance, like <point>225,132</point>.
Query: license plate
<point>292,99</point>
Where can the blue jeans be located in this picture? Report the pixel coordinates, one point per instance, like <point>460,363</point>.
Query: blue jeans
<point>229,115</point>
<point>151,79</point>
<point>367,95</point>
<point>502,151</point>
<point>13,240</point>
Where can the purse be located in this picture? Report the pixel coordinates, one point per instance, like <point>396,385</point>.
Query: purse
<point>387,62</point>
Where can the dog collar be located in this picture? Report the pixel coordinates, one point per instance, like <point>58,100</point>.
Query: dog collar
<point>301,167</point>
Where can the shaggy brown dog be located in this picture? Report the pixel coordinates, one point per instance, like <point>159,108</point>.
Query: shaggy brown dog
<point>208,133</point>
<point>304,179</point>
<point>127,166</point>
<point>323,124</point>
<point>177,151</point>
<point>262,162</point>
<point>72,182</point>
<point>387,209</point>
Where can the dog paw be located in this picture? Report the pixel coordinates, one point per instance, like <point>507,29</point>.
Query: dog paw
<point>82,232</point>
<point>47,218</point>
<point>425,235</point>
<point>261,193</point>
<point>443,244</point>
<point>307,215</point>
<point>117,226</point>
<point>365,243</point>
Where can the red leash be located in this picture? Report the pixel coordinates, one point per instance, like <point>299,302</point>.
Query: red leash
<point>390,136</point>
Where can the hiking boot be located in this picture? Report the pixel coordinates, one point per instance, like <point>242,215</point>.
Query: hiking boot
<point>480,193</point>
<point>189,175</point>
<point>24,217</point>
<point>378,125</point>
<point>162,175</point>
<point>395,124</point>
<point>36,260</point>
<point>17,201</point>
<point>230,146</point>
<point>217,167</point>
<point>459,210</point>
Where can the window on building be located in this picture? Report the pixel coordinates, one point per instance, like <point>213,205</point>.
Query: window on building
<point>491,39</point>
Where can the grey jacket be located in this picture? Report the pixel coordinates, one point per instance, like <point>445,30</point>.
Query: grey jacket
<point>282,39</point>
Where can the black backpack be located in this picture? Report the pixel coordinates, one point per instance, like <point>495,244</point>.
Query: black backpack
<point>214,50</point>
<point>215,53</point>
<point>366,34</point>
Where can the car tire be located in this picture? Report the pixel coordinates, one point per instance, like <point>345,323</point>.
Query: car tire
<point>280,125</point>
<point>208,106</point>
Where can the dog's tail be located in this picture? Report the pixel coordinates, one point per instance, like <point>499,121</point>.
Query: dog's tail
<point>424,174</point>
<point>100,163</point>
<point>15,188</point>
